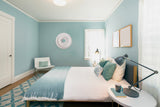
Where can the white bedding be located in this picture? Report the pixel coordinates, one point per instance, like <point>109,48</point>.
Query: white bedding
<point>83,85</point>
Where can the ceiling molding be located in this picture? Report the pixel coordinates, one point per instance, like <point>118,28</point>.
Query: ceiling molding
<point>115,7</point>
<point>21,10</point>
<point>73,21</point>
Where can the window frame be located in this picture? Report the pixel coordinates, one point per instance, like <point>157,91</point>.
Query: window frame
<point>85,39</point>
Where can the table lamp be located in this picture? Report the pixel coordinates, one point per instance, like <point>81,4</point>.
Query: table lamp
<point>128,91</point>
<point>96,57</point>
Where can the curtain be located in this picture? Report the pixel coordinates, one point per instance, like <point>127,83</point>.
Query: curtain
<point>149,45</point>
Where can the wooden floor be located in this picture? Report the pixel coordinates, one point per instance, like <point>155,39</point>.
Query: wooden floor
<point>66,104</point>
<point>11,86</point>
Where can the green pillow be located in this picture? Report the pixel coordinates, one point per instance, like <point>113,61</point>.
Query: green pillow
<point>43,63</point>
<point>102,63</point>
<point>108,70</point>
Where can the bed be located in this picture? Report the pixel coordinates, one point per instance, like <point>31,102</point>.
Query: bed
<point>77,84</point>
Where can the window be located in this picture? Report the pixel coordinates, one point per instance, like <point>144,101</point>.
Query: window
<point>94,39</point>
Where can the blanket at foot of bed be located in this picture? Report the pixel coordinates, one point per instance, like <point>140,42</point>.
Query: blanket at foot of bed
<point>51,85</point>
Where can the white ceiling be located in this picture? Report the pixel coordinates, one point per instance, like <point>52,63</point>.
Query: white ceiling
<point>75,10</point>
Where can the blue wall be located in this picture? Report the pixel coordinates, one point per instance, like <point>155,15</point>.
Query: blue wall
<point>26,38</point>
<point>125,14</point>
<point>33,39</point>
<point>74,55</point>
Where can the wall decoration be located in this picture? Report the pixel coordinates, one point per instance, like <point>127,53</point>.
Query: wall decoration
<point>63,40</point>
<point>115,39</point>
<point>126,36</point>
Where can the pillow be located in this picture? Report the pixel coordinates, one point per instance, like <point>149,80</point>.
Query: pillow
<point>108,70</point>
<point>43,63</point>
<point>102,63</point>
<point>98,70</point>
<point>111,59</point>
<point>119,71</point>
<point>119,60</point>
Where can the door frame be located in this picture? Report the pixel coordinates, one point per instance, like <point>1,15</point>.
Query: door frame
<point>13,43</point>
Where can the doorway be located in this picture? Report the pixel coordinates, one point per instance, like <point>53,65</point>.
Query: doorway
<point>6,49</point>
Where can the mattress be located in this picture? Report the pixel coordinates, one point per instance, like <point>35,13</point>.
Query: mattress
<point>82,84</point>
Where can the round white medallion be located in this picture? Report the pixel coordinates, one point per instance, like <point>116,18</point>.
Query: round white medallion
<point>63,40</point>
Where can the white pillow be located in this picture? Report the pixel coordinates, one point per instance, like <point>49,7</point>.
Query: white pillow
<point>111,60</point>
<point>119,71</point>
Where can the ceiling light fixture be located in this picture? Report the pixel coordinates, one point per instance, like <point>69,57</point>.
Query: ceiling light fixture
<point>60,2</point>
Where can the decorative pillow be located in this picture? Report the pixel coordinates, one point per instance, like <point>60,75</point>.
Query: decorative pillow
<point>102,63</point>
<point>111,59</point>
<point>43,63</point>
<point>119,71</point>
<point>98,70</point>
<point>119,60</point>
<point>108,70</point>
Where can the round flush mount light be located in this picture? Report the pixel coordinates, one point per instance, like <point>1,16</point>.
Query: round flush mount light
<point>60,2</point>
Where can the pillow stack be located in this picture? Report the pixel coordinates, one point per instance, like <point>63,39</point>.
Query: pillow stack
<point>111,69</point>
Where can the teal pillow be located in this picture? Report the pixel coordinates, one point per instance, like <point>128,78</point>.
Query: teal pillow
<point>43,63</point>
<point>108,70</point>
<point>102,63</point>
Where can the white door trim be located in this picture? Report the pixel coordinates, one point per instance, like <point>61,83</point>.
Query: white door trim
<point>13,42</point>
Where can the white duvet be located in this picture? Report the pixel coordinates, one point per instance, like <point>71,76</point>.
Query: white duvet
<point>83,85</point>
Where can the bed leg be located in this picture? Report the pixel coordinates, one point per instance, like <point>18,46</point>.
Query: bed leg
<point>112,103</point>
<point>28,103</point>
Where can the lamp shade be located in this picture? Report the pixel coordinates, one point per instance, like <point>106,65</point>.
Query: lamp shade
<point>97,51</point>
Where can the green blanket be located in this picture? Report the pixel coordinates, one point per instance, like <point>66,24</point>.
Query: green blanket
<point>51,85</point>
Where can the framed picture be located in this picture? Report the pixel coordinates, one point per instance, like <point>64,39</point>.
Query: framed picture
<point>126,36</point>
<point>115,39</point>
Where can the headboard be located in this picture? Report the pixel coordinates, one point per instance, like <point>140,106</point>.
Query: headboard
<point>131,73</point>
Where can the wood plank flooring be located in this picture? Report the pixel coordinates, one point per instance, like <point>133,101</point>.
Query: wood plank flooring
<point>11,86</point>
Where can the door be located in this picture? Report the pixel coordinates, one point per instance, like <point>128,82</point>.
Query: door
<point>6,36</point>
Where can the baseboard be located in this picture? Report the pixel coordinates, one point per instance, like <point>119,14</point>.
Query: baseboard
<point>21,76</point>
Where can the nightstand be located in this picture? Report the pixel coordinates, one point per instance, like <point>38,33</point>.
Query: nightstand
<point>144,100</point>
